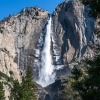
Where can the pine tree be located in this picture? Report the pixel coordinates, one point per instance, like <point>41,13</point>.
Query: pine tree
<point>87,82</point>
<point>25,90</point>
<point>16,91</point>
<point>28,86</point>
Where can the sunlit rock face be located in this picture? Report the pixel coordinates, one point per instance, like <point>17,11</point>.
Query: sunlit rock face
<point>22,37</point>
<point>22,42</point>
<point>72,32</point>
<point>19,37</point>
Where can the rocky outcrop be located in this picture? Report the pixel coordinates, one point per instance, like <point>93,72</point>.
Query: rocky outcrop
<point>22,37</point>
<point>19,37</point>
<point>41,93</point>
<point>56,89</point>
<point>72,32</point>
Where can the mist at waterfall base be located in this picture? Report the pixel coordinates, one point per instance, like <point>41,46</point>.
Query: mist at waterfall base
<point>46,73</point>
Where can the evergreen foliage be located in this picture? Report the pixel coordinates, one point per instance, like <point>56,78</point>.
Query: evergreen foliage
<point>68,92</point>
<point>84,83</point>
<point>2,96</point>
<point>88,81</point>
<point>95,7</point>
<point>1,30</point>
<point>16,91</point>
<point>9,79</point>
<point>25,90</point>
<point>28,86</point>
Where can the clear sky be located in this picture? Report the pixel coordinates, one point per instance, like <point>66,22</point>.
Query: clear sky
<point>8,7</point>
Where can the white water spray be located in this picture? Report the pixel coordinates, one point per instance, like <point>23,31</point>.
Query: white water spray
<point>46,74</point>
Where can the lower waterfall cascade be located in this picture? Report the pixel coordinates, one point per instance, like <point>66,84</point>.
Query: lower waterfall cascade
<point>46,72</point>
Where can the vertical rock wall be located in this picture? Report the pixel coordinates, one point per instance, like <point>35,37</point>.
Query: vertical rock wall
<point>19,37</point>
<point>72,31</point>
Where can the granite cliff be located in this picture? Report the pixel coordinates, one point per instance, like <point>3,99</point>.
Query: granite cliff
<point>19,36</point>
<point>72,31</point>
<point>22,37</point>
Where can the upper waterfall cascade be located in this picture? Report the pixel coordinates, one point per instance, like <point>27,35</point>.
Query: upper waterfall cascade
<point>46,72</point>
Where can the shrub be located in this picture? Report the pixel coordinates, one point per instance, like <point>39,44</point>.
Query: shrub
<point>2,97</point>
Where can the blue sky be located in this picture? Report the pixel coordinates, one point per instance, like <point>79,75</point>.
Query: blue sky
<point>8,7</point>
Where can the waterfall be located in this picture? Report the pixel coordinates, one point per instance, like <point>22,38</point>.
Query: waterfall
<point>46,72</point>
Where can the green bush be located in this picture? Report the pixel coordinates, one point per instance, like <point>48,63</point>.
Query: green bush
<point>9,79</point>
<point>2,96</point>
<point>1,30</point>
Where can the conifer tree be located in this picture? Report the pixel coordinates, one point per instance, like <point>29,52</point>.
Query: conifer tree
<point>87,81</point>
<point>28,86</point>
<point>25,90</point>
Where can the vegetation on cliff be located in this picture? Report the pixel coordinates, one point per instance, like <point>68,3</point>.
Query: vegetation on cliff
<point>87,79</point>
<point>25,90</point>
<point>84,84</point>
<point>2,96</point>
<point>95,7</point>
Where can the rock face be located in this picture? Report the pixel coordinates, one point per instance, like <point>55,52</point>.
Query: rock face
<point>56,89</point>
<point>19,36</point>
<point>22,37</point>
<point>41,93</point>
<point>72,32</point>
